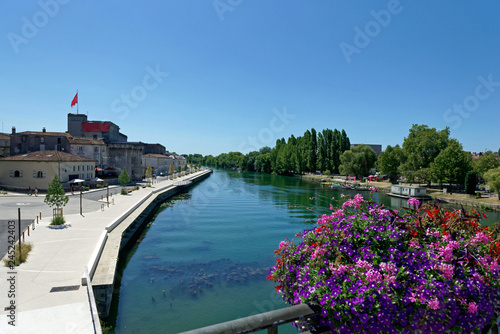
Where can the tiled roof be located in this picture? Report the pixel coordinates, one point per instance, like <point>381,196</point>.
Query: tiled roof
<point>85,141</point>
<point>47,156</point>
<point>4,136</point>
<point>151,155</point>
<point>41,133</point>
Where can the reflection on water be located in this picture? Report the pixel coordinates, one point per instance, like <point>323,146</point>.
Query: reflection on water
<point>205,255</point>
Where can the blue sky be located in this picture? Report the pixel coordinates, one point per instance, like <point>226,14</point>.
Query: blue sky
<point>234,75</point>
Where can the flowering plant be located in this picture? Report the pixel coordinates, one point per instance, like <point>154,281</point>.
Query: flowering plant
<point>371,269</point>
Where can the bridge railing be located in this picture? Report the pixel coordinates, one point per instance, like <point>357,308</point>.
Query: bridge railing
<point>273,319</point>
<point>268,320</point>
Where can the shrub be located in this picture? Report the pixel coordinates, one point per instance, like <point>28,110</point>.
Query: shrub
<point>124,191</point>
<point>370,269</point>
<point>470,183</point>
<point>58,220</point>
<point>327,172</point>
<point>13,258</point>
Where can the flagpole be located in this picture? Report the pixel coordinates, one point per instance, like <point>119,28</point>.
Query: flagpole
<point>77,102</point>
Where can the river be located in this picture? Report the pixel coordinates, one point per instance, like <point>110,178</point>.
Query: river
<point>204,257</point>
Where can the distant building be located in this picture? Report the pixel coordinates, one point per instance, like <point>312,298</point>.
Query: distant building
<point>126,156</point>
<point>154,148</point>
<point>159,163</point>
<point>90,148</point>
<point>376,147</point>
<point>37,169</point>
<point>79,126</point>
<point>4,145</point>
<point>31,141</point>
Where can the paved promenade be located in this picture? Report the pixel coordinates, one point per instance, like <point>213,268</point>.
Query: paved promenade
<point>58,259</point>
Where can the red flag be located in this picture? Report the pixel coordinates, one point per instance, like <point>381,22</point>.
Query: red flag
<point>75,100</point>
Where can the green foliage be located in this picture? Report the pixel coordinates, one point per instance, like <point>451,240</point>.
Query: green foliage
<point>171,169</point>
<point>124,178</point>
<point>58,220</point>
<point>388,162</point>
<point>423,145</point>
<point>493,178</point>
<point>16,260</point>
<point>470,183</point>
<point>485,162</point>
<point>149,174</point>
<point>451,164</point>
<point>327,172</point>
<point>358,160</point>
<point>124,191</point>
<point>179,169</point>
<point>55,194</point>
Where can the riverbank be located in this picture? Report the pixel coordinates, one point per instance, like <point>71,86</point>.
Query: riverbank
<point>490,203</point>
<point>48,296</point>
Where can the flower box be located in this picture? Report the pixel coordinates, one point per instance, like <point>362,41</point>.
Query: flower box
<point>374,270</point>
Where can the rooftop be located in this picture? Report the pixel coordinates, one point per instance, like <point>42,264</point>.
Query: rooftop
<point>47,156</point>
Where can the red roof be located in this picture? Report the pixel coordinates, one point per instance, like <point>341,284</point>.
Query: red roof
<point>95,127</point>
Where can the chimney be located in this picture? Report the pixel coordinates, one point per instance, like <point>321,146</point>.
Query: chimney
<point>43,130</point>
<point>13,130</point>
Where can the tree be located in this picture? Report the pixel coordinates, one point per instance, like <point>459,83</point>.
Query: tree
<point>179,169</point>
<point>423,145</point>
<point>149,175</point>
<point>358,160</point>
<point>389,161</point>
<point>124,178</point>
<point>493,178</point>
<point>485,162</point>
<point>55,194</point>
<point>451,164</point>
<point>470,183</point>
<point>171,169</point>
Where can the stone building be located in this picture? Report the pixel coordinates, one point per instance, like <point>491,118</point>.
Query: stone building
<point>128,156</point>
<point>79,126</point>
<point>159,163</point>
<point>4,145</point>
<point>90,148</point>
<point>37,169</point>
<point>31,141</point>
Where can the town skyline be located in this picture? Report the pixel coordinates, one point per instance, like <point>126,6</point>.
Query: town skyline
<point>223,76</point>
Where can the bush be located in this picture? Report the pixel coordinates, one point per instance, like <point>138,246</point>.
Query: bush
<point>124,191</point>
<point>370,269</point>
<point>57,221</point>
<point>327,172</point>
<point>470,183</point>
<point>13,259</point>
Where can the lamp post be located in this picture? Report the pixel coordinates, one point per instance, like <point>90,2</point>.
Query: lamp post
<point>81,191</point>
<point>107,194</point>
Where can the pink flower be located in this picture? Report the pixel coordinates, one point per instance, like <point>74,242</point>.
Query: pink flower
<point>373,276</point>
<point>413,201</point>
<point>434,303</point>
<point>414,243</point>
<point>446,270</point>
<point>338,213</point>
<point>331,207</point>
<point>472,307</point>
<point>283,244</point>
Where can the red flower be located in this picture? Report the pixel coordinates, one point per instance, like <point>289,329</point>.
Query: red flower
<point>277,287</point>
<point>413,233</point>
<point>270,278</point>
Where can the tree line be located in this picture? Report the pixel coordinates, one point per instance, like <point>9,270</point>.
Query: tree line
<point>311,152</point>
<point>426,155</point>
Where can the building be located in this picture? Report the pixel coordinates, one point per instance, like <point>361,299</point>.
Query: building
<point>126,156</point>
<point>37,169</point>
<point>31,141</point>
<point>79,126</point>
<point>376,147</point>
<point>154,148</point>
<point>159,163</point>
<point>398,190</point>
<point>4,145</point>
<point>90,148</point>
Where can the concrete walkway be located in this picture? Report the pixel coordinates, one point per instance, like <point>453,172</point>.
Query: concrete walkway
<point>58,259</point>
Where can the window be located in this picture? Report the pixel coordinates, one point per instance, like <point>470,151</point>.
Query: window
<point>16,173</point>
<point>42,140</point>
<point>74,168</point>
<point>38,174</point>
<point>78,168</point>
<point>95,136</point>
<point>23,139</point>
<point>96,149</point>
<point>80,148</point>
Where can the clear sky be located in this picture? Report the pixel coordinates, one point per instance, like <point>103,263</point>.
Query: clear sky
<point>234,75</point>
